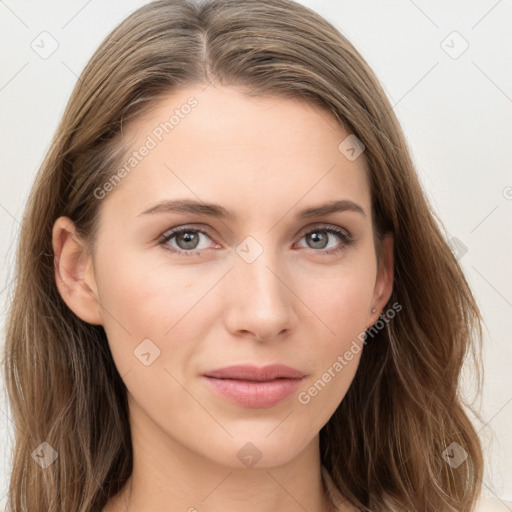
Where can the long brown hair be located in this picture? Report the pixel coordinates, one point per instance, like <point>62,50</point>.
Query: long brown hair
<point>384,444</point>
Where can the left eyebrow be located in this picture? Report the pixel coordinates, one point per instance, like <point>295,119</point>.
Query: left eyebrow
<point>218,211</point>
<point>331,207</point>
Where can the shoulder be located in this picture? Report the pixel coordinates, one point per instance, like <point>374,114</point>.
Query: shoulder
<point>483,505</point>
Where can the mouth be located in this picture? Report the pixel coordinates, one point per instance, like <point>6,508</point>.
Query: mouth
<point>254,373</point>
<point>254,387</point>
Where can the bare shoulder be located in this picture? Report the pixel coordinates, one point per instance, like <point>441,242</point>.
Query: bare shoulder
<point>493,505</point>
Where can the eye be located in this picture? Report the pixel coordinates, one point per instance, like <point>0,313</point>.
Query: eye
<point>318,238</point>
<point>186,239</point>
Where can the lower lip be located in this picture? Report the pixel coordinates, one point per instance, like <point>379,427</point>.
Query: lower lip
<point>255,394</point>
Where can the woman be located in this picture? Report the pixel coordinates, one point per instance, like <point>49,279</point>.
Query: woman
<point>231,289</point>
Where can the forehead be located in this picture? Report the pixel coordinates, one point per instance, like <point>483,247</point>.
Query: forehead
<point>220,145</point>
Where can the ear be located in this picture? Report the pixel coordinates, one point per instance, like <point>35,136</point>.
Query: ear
<point>74,272</point>
<point>384,280</point>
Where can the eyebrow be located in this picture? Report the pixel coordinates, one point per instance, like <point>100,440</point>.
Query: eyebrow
<point>218,211</point>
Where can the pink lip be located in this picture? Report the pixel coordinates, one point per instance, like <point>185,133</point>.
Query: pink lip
<point>255,387</point>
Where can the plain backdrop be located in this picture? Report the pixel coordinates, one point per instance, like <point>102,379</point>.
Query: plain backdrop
<point>446,67</point>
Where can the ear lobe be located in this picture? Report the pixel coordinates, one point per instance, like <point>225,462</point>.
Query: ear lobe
<point>385,276</point>
<point>74,272</point>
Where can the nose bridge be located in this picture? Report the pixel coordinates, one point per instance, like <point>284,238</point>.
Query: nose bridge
<point>261,302</point>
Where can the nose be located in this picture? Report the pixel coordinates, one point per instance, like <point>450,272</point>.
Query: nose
<point>260,302</point>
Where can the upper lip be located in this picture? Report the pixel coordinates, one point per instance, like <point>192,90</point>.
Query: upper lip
<point>248,372</point>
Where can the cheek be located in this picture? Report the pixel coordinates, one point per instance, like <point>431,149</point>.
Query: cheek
<point>335,357</point>
<point>341,298</point>
<point>140,293</point>
<point>137,304</point>
<point>341,304</point>
<point>155,302</point>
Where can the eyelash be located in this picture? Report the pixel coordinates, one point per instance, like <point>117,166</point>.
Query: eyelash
<point>345,237</point>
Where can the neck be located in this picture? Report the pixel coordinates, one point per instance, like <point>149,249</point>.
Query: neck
<point>167,476</point>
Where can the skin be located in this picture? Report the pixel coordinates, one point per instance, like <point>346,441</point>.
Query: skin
<point>265,159</point>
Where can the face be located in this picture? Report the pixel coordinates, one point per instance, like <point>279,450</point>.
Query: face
<point>255,278</point>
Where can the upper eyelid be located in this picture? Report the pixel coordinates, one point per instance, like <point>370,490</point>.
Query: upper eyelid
<point>176,230</point>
